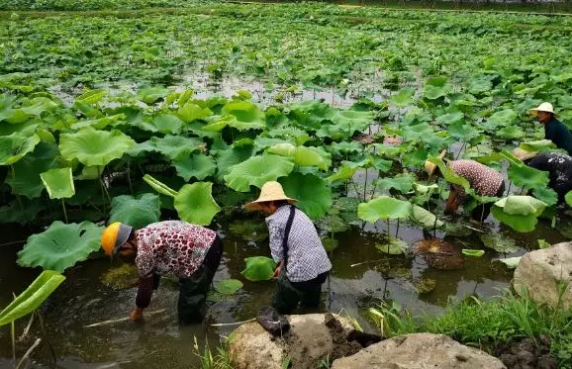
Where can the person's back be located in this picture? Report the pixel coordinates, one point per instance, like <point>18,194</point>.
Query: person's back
<point>559,167</point>
<point>558,133</point>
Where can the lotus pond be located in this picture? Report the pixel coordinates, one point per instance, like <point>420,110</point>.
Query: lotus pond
<point>150,115</point>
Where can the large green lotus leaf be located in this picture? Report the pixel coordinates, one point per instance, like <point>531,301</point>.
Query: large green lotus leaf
<point>539,145</point>
<point>191,112</point>
<point>313,193</point>
<point>246,115</point>
<point>259,268</point>
<point>151,94</point>
<point>92,97</point>
<point>510,132</point>
<point>100,123</point>
<point>395,246</point>
<point>31,299</point>
<point>433,92</point>
<point>351,121</point>
<point>94,148</point>
<point>195,203</point>
<point>503,117</point>
<point>345,147</point>
<point>302,155</point>
<point>449,175</point>
<point>425,218</point>
<point>59,183</point>
<point>24,178</point>
<point>418,132</point>
<point>521,205</point>
<point>283,149</point>
<point>256,171</point>
<point>172,147</point>
<point>61,246</point>
<point>520,223</point>
<point>403,98</point>
<point>32,108</point>
<point>546,195</point>
<point>168,124</point>
<point>568,198</point>
<point>199,166</point>
<point>230,157</point>
<point>451,118</point>
<point>402,182</point>
<point>499,243</point>
<point>384,207</point>
<point>138,211</point>
<point>228,286</point>
<point>462,131</point>
<point>343,173</point>
<point>21,212</point>
<point>15,146</point>
<point>528,177</point>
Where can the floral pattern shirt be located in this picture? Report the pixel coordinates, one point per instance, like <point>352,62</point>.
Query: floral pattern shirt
<point>484,180</point>
<point>172,247</point>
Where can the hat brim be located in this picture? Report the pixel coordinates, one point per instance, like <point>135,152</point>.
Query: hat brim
<point>122,237</point>
<point>257,205</point>
<point>534,112</point>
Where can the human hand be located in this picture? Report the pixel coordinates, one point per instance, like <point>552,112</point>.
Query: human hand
<point>278,270</point>
<point>136,315</point>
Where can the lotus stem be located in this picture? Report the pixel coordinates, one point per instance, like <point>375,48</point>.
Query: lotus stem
<point>13,339</point>
<point>45,336</point>
<point>29,352</point>
<point>65,211</point>
<point>129,177</point>
<point>397,230</point>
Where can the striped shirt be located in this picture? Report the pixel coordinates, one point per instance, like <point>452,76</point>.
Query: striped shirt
<point>307,257</point>
<point>483,180</point>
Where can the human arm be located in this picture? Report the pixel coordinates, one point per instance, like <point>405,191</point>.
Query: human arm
<point>276,249</point>
<point>455,199</point>
<point>143,299</point>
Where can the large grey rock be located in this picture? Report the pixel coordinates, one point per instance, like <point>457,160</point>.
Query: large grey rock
<point>419,351</point>
<point>308,342</point>
<point>541,271</point>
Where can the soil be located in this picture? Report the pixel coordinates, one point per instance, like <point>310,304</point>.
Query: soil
<point>527,354</point>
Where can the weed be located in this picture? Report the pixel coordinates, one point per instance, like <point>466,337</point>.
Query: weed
<point>208,360</point>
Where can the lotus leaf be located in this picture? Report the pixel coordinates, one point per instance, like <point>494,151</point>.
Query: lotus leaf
<point>199,166</point>
<point>425,218</point>
<point>302,155</point>
<point>351,121</point>
<point>312,192</point>
<point>259,268</point>
<point>395,246</point>
<point>230,157</point>
<point>542,244</point>
<point>520,223</point>
<point>167,123</point>
<point>257,170</point>
<point>510,132</point>
<point>195,203</point>
<point>504,118</point>
<point>568,198</point>
<point>172,147</point>
<point>403,98</point>
<point>31,299</point>
<point>242,115</point>
<point>149,95</point>
<point>61,246</point>
<point>546,195</point>
<point>94,148</point>
<point>59,183</point>
<point>228,286</point>
<point>191,112</point>
<point>100,123</point>
<point>330,244</point>
<point>384,207</point>
<point>451,118</point>
<point>402,183</point>
<point>15,146</point>
<point>462,131</point>
<point>138,211</point>
<point>92,97</point>
<point>499,243</point>
<point>342,174</point>
<point>433,92</point>
<point>20,212</point>
<point>521,205</point>
<point>24,178</point>
<point>512,263</point>
<point>474,253</point>
<point>540,145</point>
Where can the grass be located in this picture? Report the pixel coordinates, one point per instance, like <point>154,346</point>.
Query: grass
<point>210,360</point>
<point>486,325</point>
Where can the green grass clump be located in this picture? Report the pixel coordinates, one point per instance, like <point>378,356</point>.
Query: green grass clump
<point>218,359</point>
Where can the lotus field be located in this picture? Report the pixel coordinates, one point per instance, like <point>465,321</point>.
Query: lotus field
<point>147,115</point>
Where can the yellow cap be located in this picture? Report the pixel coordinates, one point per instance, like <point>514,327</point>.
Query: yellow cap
<point>115,235</point>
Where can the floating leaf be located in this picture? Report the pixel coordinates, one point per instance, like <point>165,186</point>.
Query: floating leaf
<point>151,94</point>
<point>94,148</point>
<point>474,253</point>
<point>61,246</point>
<point>59,183</point>
<point>259,268</point>
<point>512,263</point>
<point>256,171</point>
<point>542,244</point>
<point>138,211</point>
<point>312,192</point>
<point>195,203</point>
<point>395,246</point>
<point>245,114</point>
<point>499,243</point>
<point>384,207</point>
<point>31,299</point>
<point>228,286</point>
<point>199,166</point>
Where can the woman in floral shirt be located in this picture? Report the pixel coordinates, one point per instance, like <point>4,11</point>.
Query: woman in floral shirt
<point>190,252</point>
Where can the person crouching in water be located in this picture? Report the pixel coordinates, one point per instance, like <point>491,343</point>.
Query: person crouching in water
<point>558,166</point>
<point>302,261</point>
<point>483,180</point>
<point>187,251</point>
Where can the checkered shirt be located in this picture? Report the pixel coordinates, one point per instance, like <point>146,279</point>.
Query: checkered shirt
<point>307,257</point>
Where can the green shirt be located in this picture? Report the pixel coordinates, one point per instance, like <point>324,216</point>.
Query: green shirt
<point>558,133</point>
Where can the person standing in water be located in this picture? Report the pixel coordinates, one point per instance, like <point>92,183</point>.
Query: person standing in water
<point>296,247</point>
<point>187,251</point>
<point>554,130</point>
<point>483,180</point>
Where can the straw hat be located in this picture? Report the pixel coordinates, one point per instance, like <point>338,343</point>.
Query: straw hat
<point>523,154</point>
<point>430,167</point>
<point>114,236</point>
<point>545,107</point>
<point>271,191</point>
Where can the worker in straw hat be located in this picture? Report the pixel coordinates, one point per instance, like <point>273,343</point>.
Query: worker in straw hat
<point>190,252</point>
<point>302,261</point>
<point>554,130</point>
<point>483,180</point>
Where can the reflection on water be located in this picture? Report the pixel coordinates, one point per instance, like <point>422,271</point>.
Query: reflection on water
<point>161,343</point>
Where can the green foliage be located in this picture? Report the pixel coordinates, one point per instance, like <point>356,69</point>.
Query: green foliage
<point>384,207</point>
<point>256,171</point>
<point>94,148</point>
<point>258,268</point>
<point>199,166</point>
<point>312,192</point>
<point>31,299</point>
<point>195,203</point>
<point>58,183</point>
<point>61,246</point>
<point>137,211</point>
<point>518,212</point>
<point>228,286</point>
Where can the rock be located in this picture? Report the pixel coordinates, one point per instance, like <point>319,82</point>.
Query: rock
<point>540,272</point>
<point>308,342</point>
<point>419,351</point>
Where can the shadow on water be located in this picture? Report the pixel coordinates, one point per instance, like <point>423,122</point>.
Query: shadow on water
<point>161,343</point>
